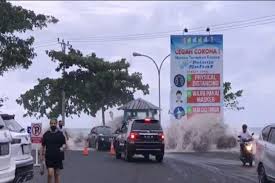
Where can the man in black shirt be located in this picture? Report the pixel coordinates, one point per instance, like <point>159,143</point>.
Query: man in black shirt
<point>53,144</point>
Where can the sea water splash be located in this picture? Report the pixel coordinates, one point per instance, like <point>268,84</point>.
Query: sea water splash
<point>203,133</point>
<point>116,123</point>
<point>200,133</point>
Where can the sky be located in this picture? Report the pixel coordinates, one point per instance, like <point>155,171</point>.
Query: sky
<point>248,51</point>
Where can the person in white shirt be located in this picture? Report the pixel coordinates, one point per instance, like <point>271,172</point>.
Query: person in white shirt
<point>244,137</point>
<point>62,129</point>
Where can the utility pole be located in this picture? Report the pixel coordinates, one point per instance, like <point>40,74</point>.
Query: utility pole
<point>63,47</point>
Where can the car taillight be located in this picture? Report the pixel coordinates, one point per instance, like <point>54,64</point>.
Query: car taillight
<point>133,136</point>
<point>161,135</point>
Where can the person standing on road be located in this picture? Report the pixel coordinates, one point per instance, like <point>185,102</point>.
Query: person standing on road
<point>53,145</point>
<point>62,129</point>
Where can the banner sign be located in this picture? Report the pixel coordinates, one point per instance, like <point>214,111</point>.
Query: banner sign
<point>196,75</point>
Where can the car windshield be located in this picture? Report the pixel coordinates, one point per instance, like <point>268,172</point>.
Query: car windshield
<point>143,125</point>
<point>104,131</point>
<point>12,125</point>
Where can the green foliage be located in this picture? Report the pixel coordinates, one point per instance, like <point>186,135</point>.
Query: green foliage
<point>38,102</point>
<point>15,51</point>
<point>231,98</point>
<point>90,84</point>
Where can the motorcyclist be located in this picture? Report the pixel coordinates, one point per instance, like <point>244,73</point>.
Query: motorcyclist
<point>244,137</point>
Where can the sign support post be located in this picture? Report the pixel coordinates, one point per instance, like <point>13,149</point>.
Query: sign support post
<point>36,137</point>
<point>36,157</point>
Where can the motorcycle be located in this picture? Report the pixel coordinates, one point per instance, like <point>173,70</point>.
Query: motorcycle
<point>246,149</point>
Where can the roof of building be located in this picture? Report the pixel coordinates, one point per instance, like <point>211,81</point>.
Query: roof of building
<point>139,104</point>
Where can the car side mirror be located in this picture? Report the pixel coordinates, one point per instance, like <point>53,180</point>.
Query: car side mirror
<point>239,136</point>
<point>252,134</point>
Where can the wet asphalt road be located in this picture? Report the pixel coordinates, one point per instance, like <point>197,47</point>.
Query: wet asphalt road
<point>101,167</point>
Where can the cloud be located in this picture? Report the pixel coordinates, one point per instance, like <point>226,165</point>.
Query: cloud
<point>248,52</point>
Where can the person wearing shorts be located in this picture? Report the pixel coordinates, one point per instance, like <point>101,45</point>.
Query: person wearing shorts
<point>53,145</point>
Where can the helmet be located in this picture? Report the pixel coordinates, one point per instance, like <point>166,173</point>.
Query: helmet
<point>244,126</point>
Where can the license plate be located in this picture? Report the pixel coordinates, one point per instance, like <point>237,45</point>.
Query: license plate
<point>26,149</point>
<point>148,137</point>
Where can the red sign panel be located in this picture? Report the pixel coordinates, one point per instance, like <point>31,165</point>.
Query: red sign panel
<point>206,109</point>
<point>203,80</point>
<point>203,96</point>
<point>36,140</point>
<point>202,109</point>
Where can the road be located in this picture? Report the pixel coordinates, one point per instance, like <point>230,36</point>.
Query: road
<point>101,167</point>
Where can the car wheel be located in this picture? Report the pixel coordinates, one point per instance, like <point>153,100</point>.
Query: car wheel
<point>262,175</point>
<point>128,156</point>
<point>146,157</point>
<point>118,155</point>
<point>159,158</point>
<point>97,146</point>
<point>89,144</point>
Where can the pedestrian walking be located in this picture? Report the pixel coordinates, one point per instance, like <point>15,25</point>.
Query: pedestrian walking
<point>53,145</point>
<point>63,130</point>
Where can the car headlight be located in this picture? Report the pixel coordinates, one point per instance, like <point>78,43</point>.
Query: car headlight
<point>102,139</point>
<point>249,147</point>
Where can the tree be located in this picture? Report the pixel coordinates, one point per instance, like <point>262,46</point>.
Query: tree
<point>15,51</point>
<point>94,85</point>
<point>231,98</point>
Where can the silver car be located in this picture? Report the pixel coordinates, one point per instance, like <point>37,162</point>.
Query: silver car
<point>265,155</point>
<point>7,164</point>
<point>20,148</point>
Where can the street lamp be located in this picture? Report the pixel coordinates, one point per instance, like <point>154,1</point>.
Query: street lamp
<point>135,54</point>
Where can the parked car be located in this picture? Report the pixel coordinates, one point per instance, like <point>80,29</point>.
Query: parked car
<point>20,149</point>
<point>140,136</point>
<point>265,155</point>
<point>100,138</point>
<point>7,164</point>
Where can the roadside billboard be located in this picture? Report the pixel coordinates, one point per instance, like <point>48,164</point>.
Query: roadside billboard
<point>196,75</point>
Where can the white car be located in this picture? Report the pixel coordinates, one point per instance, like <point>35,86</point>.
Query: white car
<point>7,164</point>
<point>265,155</point>
<point>20,148</point>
